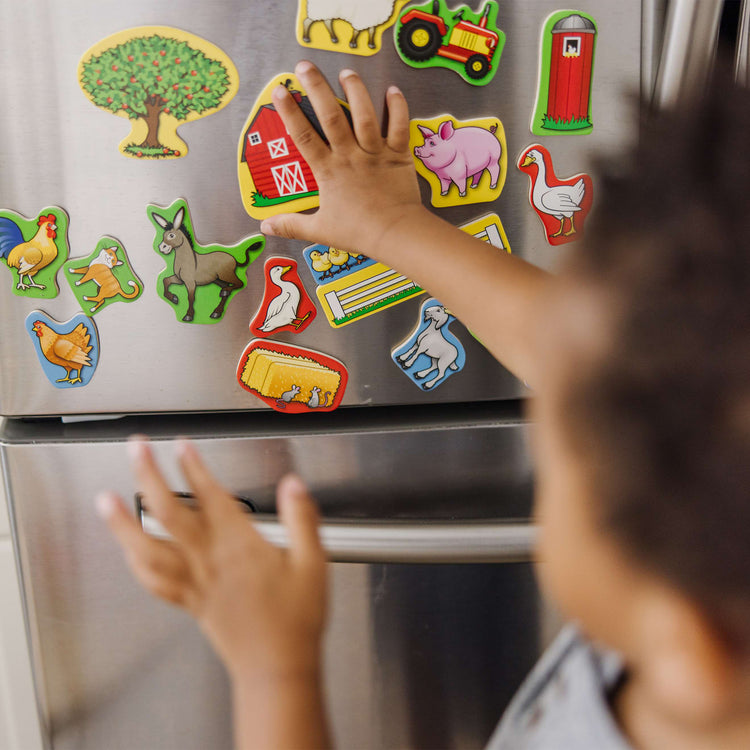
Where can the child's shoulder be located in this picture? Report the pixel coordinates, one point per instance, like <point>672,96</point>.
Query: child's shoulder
<point>563,702</point>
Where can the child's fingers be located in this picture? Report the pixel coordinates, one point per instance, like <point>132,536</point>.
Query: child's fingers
<point>329,112</point>
<point>290,226</point>
<point>157,565</point>
<point>398,120</point>
<point>299,514</point>
<point>365,120</point>
<point>218,505</point>
<point>310,144</point>
<point>182,523</point>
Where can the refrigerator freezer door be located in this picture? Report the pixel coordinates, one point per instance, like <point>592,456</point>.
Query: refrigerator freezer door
<point>65,153</point>
<point>419,654</point>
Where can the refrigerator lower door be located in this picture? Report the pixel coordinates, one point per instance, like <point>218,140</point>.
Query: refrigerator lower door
<point>428,637</point>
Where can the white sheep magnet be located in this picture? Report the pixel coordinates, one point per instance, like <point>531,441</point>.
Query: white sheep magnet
<point>352,26</point>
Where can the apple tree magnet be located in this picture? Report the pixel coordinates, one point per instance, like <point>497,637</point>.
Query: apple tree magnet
<point>566,65</point>
<point>199,280</point>
<point>34,249</point>
<point>561,204</point>
<point>157,77</point>
<point>355,27</point>
<point>465,161</point>
<point>432,35</point>
<point>68,352</point>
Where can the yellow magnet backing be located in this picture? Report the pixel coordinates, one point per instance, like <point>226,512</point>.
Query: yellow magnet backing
<point>158,78</point>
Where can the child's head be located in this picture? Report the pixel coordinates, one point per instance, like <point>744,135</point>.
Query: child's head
<point>644,404</point>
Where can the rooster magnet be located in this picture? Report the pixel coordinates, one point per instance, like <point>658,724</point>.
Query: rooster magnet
<point>34,250</point>
<point>561,204</point>
<point>68,352</point>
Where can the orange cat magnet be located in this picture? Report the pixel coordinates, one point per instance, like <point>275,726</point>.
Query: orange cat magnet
<point>103,278</point>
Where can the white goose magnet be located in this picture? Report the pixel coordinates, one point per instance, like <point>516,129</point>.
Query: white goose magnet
<point>561,204</point>
<point>286,306</point>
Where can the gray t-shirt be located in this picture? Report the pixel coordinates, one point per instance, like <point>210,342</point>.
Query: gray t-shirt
<point>562,704</point>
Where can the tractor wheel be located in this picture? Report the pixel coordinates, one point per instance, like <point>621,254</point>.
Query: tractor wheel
<point>477,66</point>
<point>419,40</point>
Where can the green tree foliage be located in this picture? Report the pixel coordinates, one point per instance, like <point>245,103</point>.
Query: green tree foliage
<point>147,76</point>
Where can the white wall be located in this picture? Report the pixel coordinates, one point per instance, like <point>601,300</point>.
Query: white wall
<point>19,722</point>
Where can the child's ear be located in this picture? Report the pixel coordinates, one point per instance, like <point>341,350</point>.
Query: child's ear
<point>686,666</point>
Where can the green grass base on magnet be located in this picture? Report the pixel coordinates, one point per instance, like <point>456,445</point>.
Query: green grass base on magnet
<point>261,200</point>
<point>150,152</point>
<point>387,301</point>
<point>565,125</point>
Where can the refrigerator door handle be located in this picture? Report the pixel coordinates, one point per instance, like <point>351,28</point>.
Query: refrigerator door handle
<point>742,58</point>
<point>690,40</point>
<point>404,541</point>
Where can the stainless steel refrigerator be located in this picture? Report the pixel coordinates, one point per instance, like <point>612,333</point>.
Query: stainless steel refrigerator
<point>425,492</point>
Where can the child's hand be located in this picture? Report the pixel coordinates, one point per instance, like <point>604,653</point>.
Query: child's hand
<point>262,608</point>
<point>367,183</point>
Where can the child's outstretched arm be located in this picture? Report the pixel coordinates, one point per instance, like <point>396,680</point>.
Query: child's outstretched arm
<point>370,202</point>
<point>262,608</point>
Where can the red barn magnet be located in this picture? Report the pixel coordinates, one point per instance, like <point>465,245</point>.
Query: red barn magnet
<point>566,69</point>
<point>273,176</point>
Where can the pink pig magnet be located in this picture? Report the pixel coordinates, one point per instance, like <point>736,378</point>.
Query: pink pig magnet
<point>465,161</point>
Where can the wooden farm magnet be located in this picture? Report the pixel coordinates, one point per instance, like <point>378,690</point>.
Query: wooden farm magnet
<point>34,250</point>
<point>68,352</point>
<point>286,306</point>
<point>355,27</point>
<point>104,277</point>
<point>561,204</point>
<point>353,286</point>
<point>157,77</point>
<point>465,161</point>
<point>291,379</point>
<point>199,280</point>
<point>273,176</point>
<point>435,36</point>
<point>566,66</point>
<point>432,353</point>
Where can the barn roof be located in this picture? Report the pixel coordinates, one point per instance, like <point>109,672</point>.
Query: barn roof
<point>574,22</point>
<point>308,111</point>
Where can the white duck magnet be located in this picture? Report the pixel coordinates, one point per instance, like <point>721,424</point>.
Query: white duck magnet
<point>561,204</point>
<point>286,306</point>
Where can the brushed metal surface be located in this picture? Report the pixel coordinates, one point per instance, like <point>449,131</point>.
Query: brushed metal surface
<point>58,149</point>
<point>441,647</point>
<point>405,542</point>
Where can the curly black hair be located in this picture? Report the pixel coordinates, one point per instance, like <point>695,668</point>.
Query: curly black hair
<point>664,417</point>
